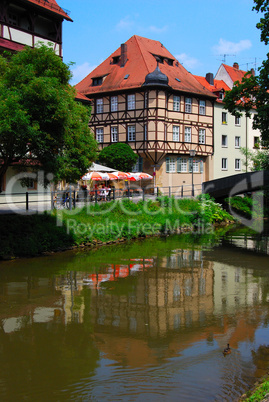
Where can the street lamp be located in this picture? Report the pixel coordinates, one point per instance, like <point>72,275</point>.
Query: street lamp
<point>192,155</point>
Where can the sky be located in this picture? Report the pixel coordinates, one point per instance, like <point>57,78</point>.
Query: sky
<point>200,34</point>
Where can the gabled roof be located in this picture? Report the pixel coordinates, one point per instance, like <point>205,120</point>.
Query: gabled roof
<point>234,72</point>
<point>142,55</point>
<point>219,85</point>
<point>52,6</point>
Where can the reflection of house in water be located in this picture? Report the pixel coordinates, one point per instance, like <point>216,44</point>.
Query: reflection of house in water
<point>161,300</point>
<point>33,300</point>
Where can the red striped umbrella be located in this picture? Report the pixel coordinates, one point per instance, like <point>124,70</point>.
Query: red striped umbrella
<point>122,175</point>
<point>140,176</point>
<point>95,176</point>
<point>112,176</point>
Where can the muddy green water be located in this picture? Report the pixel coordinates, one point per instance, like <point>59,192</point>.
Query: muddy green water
<point>146,320</point>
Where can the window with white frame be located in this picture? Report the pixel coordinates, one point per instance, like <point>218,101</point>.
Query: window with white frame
<point>224,164</point>
<point>114,134</point>
<point>237,142</point>
<point>224,141</point>
<point>176,133</point>
<point>224,118</point>
<point>176,103</point>
<point>183,165</point>
<point>100,134</point>
<point>237,121</point>
<point>131,133</point>
<point>99,105</point>
<point>131,102</point>
<point>187,134</point>
<point>196,165</point>
<point>171,163</point>
<point>114,103</point>
<point>188,105</point>
<point>237,164</point>
<point>202,107</point>
<point>138,167</point>
<point>201,136</point>
<point>256,142</point>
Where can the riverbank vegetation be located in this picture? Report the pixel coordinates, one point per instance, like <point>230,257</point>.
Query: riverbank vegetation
<point>259,392</point>
<point>107,222</point>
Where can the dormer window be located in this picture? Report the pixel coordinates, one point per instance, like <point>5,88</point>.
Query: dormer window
<point>221,96</point>
<point>159,59</point>
<point>169,62</point>
<point>97,81</point>
<point>115,59</point>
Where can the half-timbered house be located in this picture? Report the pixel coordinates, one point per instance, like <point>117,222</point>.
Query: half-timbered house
<point>27,22</point>
<point>143,96</point>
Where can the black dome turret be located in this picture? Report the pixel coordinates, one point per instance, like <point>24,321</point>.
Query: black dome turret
<point>156,78</point>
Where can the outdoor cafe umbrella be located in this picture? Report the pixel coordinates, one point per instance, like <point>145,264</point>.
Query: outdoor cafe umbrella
<point>112,176</point>
<point>95,176</point>
<point>135,176</point>
<point>122,175</point>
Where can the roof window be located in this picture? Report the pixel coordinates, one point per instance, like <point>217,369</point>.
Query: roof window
<point>97,81</point>
<point>177,79</point>
<point>115,59</point>
<point>126,76</point>
<point>169,61</point>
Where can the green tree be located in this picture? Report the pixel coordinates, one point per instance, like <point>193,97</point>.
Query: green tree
<point>252,92</point>
<point>119,156</point>
<point>41,123</point>
<point>255,159</point>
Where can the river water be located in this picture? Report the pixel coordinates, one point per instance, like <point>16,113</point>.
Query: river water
<point>145,320</point>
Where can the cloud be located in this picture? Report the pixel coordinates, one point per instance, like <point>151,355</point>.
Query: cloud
<point>125,23</point>
<point>155,29</point>
<point>226,47</point>
<point>188,62</point>
<point>80,72</point>
<point>130,22</point>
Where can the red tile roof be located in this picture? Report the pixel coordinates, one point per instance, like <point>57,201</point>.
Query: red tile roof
<point>81,97</point>
<point>218,84</point>
<point>51,5</point>
<point>234,73</point>
<point>140,62</point>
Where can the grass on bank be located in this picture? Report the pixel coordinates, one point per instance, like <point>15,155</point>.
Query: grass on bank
<point>32,235</point>
<point>258,393</point>
<point>124,219</point>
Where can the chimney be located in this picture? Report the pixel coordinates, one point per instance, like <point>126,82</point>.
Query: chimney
<point>123,57</point>
<point>210,79</point>
<point>236,66</point>
<point>252,72</point>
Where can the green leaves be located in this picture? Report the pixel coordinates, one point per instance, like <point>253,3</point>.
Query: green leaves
<point>118,156</point>
<point>40,118</point>
<point>252,93</point>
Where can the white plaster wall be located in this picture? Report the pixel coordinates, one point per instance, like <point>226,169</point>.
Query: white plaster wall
<point>230,152</point>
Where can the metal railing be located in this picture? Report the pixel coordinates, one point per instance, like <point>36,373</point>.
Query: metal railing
<point>69,198</point>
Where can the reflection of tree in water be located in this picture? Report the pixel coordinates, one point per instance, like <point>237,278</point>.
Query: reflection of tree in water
<point>261,360</point>
<point>47,357</point>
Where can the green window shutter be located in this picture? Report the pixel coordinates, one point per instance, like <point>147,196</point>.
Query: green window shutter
<point>179,160</point>
<point>190,165</point>
<point>167,164</point>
